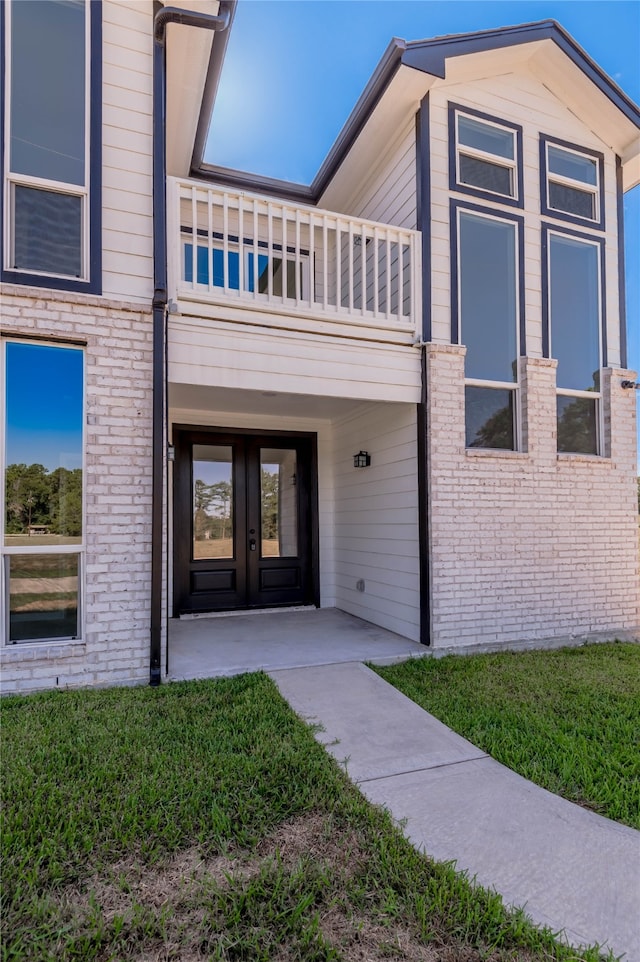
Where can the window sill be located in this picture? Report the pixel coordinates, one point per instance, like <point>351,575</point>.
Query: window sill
<point>496,453</point>
<point>585,458</point>
<point>31,650</point>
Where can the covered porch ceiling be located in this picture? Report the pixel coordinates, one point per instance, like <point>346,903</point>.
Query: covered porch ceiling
<point>206,398</point>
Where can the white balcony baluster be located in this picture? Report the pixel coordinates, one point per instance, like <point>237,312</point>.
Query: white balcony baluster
<point>283,258</point>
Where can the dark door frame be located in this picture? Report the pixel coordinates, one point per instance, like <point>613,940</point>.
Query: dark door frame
<point>314,540</point>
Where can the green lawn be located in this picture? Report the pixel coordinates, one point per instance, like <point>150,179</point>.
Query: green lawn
<point>202,821</point>
<point>568,720</point>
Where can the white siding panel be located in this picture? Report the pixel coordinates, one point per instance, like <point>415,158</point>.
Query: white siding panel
<point>127,151</point>
<point>133,15</point>
<point>389,194</point>
<point>233,356</point>
<point>376,517</point>
<point>133,140</point>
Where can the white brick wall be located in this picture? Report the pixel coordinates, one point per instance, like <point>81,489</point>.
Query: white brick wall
<point>533,545</point>
<point>118,369</point>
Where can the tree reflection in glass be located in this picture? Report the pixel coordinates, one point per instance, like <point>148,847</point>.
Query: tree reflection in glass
<point>43,452</point>
<point>212,501</point>
<point>43,480</point>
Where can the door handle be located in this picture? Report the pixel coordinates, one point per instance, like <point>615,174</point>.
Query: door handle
<point>252,544</point>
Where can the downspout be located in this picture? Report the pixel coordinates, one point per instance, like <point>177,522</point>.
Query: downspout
<point>187,18</point>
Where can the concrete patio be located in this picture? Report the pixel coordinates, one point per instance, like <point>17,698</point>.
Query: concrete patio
<point>210,647</point>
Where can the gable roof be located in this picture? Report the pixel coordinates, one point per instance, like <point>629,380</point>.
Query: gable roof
<point>430,58</point>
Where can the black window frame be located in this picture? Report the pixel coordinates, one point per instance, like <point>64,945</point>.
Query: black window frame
<point>518,221</point>
<point>92,284</point>
<point>546,211</point>
<point>76,549</point>
<point>454,109</point>
<point>599,241</point>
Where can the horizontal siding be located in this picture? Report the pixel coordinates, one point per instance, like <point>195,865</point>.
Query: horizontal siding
<point>376,517</point>
<point>228,355</point>
<point>521,99</point>
<point>127,231</point>
<point>389,193</point>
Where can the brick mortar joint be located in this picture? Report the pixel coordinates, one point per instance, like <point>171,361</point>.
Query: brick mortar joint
<point>457,350</point>
<point>51,297</point>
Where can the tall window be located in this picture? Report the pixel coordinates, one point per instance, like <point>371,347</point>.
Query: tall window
<point>571,183</point>
<point>47,201</point>
<point>42,537</point>
<point>485,156</point>
<point>486,319</point>
<point>573,332</point>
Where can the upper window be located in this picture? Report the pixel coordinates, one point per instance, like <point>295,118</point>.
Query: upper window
<point>42,455</point>
<point>571,182</point>
<point>49,155</point>
<point>485,156</point>
<point>487,319</point>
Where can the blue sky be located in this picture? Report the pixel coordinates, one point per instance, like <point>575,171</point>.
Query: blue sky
<point>295,68</point>
<point>44,406</point>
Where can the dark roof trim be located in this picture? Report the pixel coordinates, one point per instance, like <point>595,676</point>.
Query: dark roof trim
<point>428,56</point>
<point>216,59</point>
<point>228,177</point>
<point>367,102</point>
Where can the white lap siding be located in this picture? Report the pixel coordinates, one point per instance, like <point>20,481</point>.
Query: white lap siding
<point>376,517</point>
<point>127,100</point>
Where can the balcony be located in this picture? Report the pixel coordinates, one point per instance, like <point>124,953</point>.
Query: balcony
<point>248,253</point>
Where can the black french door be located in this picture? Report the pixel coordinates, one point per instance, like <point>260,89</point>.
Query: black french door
<point>245,520</point>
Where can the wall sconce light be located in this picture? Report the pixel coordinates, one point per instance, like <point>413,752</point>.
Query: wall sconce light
<point>362,459</point>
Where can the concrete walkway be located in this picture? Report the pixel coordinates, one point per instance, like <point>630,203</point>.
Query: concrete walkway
<point>570,869</point>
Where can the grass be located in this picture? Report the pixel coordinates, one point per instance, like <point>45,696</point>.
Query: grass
<point>202,821</point>
<point>567,720</point>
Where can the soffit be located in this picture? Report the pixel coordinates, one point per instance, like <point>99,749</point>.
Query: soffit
<point>589,103</point>
<point>188,56</point>
<point>195,397</point>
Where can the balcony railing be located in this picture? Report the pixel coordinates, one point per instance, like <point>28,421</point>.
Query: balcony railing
<point>250,251</point>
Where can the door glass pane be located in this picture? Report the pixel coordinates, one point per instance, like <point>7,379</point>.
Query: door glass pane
<point>277,268</point>
<point>488,302</point>
<point>212,506</point>
<point>47,135</point>
<point>278,503</point>
<point>575,312</point>
<point>43,445</point>
<point>43,597</point>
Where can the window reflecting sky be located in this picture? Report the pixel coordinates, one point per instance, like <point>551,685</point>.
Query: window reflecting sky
<point>44,409</point>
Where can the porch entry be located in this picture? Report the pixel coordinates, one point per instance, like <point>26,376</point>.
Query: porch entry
<point>245,520</point>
